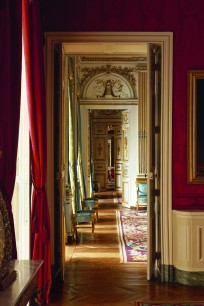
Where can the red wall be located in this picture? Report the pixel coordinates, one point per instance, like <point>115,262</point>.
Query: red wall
<point>185,18</point>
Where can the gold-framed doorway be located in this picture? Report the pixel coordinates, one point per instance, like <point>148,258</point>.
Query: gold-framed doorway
<point>121,43</point>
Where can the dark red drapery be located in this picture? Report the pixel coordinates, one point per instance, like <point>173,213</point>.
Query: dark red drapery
<point>10,91</point>
<point>35,80</point>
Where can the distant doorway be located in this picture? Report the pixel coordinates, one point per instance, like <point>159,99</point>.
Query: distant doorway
<point>119,44</point>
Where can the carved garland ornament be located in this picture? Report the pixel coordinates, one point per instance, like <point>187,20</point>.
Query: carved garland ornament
<point>124,72</point>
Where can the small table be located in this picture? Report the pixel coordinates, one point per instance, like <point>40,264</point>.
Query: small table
<point>21,290</point>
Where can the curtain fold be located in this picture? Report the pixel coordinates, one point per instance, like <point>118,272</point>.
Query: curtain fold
<point>35,81</point>
<point>80,165</point>
<point>92,178</point>
<point>73,138</point>
<point>10,91</point>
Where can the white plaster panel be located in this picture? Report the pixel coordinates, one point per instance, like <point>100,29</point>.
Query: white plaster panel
<point>125,189</point>
<point>188,240</point>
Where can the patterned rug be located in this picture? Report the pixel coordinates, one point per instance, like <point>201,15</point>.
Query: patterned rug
<point>118,200</point>
<point>132,228</point>
<point>169,303</point>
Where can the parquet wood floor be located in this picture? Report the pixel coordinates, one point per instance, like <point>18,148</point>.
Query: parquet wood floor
<point>95,276</point>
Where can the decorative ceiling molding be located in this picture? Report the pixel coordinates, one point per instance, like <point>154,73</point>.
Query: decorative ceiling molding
<point>114,59</point>
<point>116,74</point>
<point>109,102</point>
<point>104,113</point>
<point>141,67</point>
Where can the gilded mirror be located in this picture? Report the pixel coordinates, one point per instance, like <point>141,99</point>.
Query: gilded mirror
<point>196,126</point>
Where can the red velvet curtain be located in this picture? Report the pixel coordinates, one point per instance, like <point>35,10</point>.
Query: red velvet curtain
<point>10,91</point>
<point>34,65</point>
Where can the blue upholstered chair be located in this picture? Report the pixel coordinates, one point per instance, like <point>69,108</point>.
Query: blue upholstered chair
<point>141,184</point>
<point>91,203</point>
<point>86,217</point>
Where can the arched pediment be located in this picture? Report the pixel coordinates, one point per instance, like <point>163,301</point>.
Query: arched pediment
<point>109,86</point>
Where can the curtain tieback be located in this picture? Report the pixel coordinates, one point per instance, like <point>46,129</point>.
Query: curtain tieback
<point>39,189</point>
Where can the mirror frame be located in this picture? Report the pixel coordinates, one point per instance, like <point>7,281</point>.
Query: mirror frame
<point>194,96</point>
<point>5,241</point>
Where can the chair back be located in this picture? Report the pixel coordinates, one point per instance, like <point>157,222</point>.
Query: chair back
<point>89,203</point>
<point>141,190</point>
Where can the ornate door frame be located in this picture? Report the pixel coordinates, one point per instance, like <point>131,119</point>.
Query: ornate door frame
<point>122,43</point>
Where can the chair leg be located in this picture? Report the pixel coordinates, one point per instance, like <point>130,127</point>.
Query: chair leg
<point>97,209</point>
<point>96,213</point>
<point>75,230</point>
<point>93,225</point>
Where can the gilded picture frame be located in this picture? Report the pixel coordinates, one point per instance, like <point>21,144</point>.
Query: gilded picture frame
<point>5,240</point>
<point>196,126</point>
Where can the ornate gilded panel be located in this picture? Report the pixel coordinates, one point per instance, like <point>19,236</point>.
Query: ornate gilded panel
<point>100,167</point>
<point>118,146</point>
<point>118,130</point>
<point>125,118</point>
<point>125,171</point>
<point>99,148</point>
<point>100,130</point>
<point>125,146</point>
<point>118,167</point>
<point>101,178</point>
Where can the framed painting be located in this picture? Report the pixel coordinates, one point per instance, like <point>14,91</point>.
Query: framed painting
<point>196,126</point>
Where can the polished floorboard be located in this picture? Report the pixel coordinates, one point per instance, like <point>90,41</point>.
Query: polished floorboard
<point>95,276</point>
